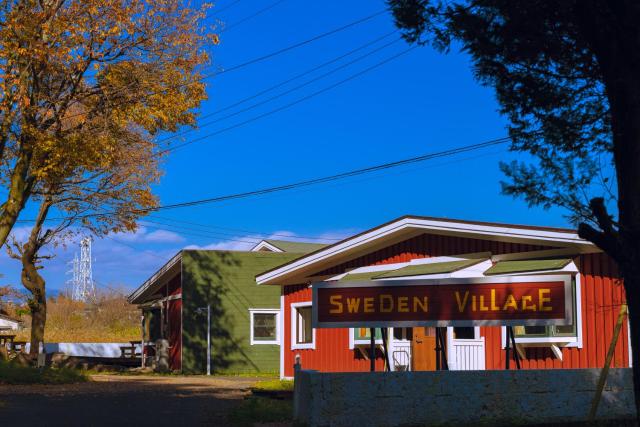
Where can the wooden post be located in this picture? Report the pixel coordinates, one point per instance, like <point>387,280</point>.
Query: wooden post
<point>385,346</point>
<point>605,369</point>
<point>372,350</point>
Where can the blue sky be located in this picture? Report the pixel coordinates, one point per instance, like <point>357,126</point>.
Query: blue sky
<point>420,102</point>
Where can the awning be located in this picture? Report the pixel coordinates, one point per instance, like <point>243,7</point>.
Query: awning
<point>507,267</point>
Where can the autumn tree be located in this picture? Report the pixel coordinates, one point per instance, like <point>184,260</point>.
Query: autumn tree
<point>98,198</point>
<point>567,76</point>
<point>80,72</point>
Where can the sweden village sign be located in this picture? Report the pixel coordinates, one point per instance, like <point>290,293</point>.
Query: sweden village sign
<point>488,301</point>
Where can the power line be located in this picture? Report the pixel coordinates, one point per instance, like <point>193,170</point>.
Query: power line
<point>260,58</point>
<point>314,181</point>
<point>217,234</point>
<point>291,104</point>
<point>335,177</point>
<point>132,247</point>
<point>291,90</point>
<point>295,45</point>
<point>243,20</point>
<point>237,230</point>
<point>282,83</point>
<point>229,6</point>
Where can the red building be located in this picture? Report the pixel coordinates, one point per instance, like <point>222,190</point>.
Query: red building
<point>434,248</point>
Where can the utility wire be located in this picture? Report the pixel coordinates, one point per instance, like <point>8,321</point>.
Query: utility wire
<point>259,58</point>
<point>132,247</point>
<point>295,45</point>
<point>223,8</point>
<point>291,104</point>
<point>238,230</point>
<point>287,92</point>
<point>208,230</point>
<point>243,20</point>
<point>315,181</point>
<point>278,85</point>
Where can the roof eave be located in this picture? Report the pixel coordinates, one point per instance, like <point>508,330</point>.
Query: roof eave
<point>135,296</point>
<point>406,226</point>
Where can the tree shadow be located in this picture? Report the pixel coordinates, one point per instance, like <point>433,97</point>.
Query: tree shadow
<point>225,281</point>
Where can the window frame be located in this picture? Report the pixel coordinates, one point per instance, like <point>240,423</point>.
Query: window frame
<point>294,328</point>
<point>252,339</point>
<point>353,342</point>
<point>550,339</point>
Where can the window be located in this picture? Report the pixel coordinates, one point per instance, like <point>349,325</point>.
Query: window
<point>464,333</point>
<point>264,326</point>
<point>302,334</point>
<point>362,337</point>
<point>568,334</point>
<point>403,334</point>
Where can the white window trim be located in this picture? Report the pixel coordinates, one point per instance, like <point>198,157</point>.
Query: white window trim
<point>294,326</point>
<point>281,336</point>
<point>565,341</point>
<point>275,311</point>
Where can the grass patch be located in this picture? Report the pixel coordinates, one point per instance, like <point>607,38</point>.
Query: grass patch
<point>261,410</point>
<point>12,373</point>
<point>273,385</point>
<point>248,374</point>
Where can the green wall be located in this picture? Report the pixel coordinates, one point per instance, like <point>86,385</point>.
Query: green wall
<point>226,280</point>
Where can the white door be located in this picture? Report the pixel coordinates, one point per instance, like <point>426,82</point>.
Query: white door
<point>400,349</point>
<point>465,349</point>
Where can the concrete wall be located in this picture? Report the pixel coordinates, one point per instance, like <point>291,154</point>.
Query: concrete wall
<point>458,397</point>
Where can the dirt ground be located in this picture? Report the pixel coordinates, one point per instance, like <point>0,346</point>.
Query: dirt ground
<point>115,400</point>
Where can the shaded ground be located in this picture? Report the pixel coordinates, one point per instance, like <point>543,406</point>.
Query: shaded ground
<point>113,400</point>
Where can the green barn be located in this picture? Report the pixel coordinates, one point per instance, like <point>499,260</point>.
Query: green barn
<point>245,320</point>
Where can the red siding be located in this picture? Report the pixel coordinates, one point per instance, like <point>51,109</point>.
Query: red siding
<point>174,313</point>
<point>332,352</point>
<point>175,334</point>
<point>601,298</point>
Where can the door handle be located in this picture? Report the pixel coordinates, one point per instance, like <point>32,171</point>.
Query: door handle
<point>419,341</point>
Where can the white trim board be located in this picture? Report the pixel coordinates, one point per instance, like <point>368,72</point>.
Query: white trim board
<point>294,328</point>
<point>283,333</point>
<point>265,245</point>
<point>408,227</point>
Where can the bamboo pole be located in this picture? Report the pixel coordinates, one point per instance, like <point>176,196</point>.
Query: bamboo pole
<point>605,370</point>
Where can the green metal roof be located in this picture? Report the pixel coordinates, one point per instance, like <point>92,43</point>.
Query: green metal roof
<point>506,267</point>
<point>296,247</point>
<point>431,268</point>
<point>360,276</point>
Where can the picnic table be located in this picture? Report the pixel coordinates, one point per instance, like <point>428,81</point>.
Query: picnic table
<point>19,346</point>
<point>6,340</point>
<point>129,351</point>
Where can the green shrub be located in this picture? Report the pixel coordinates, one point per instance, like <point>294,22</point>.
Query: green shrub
<point>273,385</point>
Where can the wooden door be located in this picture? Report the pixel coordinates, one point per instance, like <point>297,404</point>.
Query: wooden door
<point>423,349</point>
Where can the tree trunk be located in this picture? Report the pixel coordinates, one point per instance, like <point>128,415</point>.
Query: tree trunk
<point>19,192</point>
<point>38,320</point>
<point>611,30</point>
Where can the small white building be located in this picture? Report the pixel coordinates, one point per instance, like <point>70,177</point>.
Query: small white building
<point>9,323</point>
